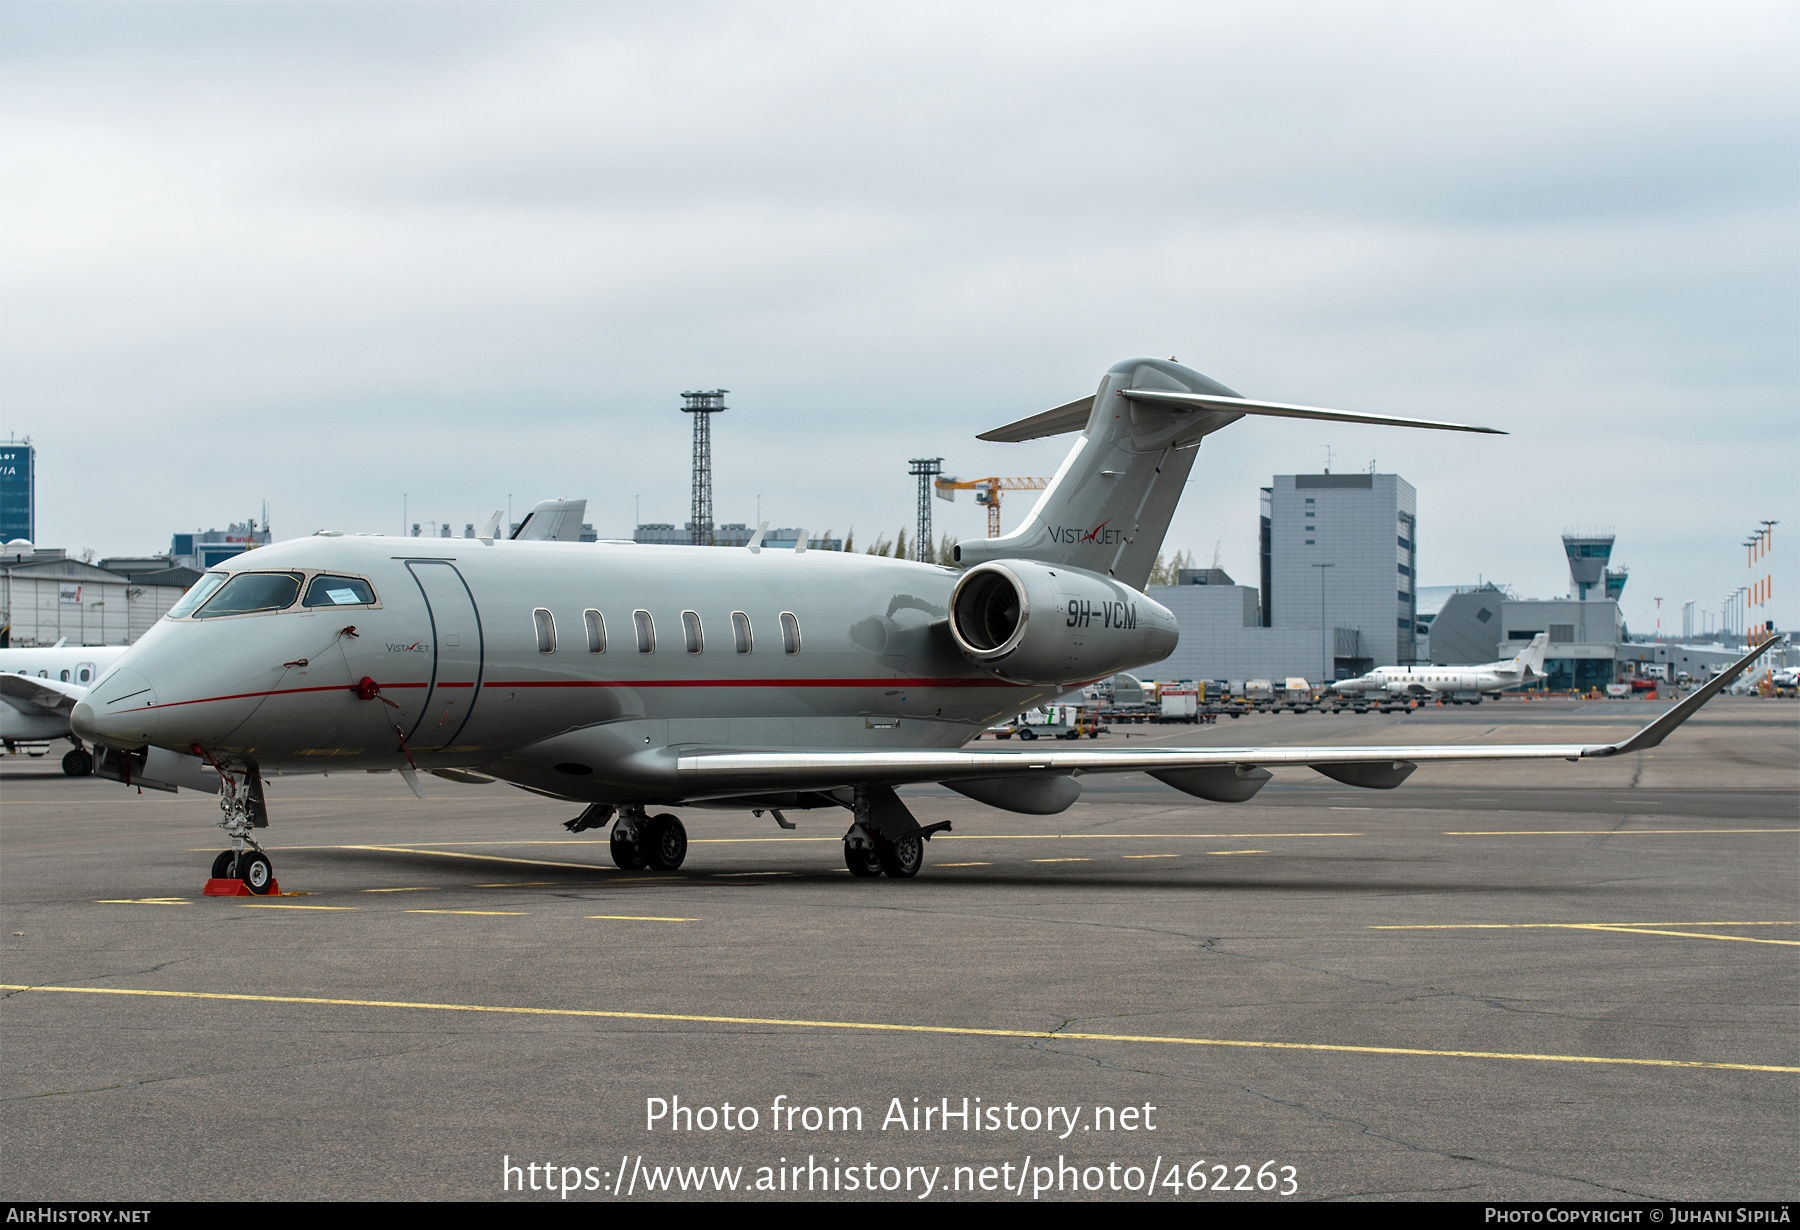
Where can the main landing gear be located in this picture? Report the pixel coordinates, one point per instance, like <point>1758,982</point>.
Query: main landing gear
<point>899,859</point>
<point>884,839</point>
<point>640,841</point>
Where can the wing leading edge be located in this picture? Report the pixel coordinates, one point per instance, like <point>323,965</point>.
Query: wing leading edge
<point>722,773</point>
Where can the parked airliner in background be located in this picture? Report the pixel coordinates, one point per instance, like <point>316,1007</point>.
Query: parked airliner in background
<point>1526,666</point>
<point>39,688</point>
<point>634,677</point>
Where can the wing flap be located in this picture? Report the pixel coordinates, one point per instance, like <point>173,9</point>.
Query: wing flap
<point>729,772</point>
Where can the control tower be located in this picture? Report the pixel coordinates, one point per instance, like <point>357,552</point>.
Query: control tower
<point>1588,555</point>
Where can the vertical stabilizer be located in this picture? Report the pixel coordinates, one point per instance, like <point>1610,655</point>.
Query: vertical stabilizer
<point>1109,506</point>
<point>1529,661</point>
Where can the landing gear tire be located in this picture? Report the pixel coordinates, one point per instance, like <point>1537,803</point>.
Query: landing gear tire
<point>862,861</point>
<point>78,763</point>
<point>257,873</point>
<point>625,853</point>
<point>222,865</point>
<point>668,843</point>
<point>903,858</point>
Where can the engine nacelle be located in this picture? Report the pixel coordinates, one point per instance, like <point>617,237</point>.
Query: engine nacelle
<point>1049,623</point>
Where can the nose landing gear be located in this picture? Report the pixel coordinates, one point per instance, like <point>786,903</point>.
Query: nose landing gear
<point>242,808</point>
<point>77,763</point>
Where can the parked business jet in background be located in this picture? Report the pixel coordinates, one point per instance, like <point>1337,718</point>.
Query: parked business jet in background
<point>1526,666</point>
<point>633,677</point>
<point>39,688</point>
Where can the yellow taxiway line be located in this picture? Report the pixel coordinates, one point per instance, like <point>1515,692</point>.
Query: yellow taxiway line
<point>1602,832</point>
<point>887,1027</point>
<point>1626,927</point>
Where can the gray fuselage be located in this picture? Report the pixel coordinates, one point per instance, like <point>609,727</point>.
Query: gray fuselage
<point>454,645</point>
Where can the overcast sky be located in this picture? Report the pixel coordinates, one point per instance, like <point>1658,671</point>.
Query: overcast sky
<point>328,255</point>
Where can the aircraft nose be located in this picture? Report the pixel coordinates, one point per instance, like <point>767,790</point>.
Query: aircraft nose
<point>123,714</point>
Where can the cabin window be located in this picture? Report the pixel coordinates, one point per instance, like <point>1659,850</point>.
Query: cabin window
<point>545,623</point>
<point>691,632</point>
<point>596,630</point>
<point>646,631</point>
<point>85,674</point>
<point>740,631</point>
<point>790,633</point>
<point>65,676</point>
<point>201,590</point>
<point>248,593</point>
<point>338,591</point>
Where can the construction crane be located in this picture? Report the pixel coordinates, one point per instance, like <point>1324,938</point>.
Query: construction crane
<point>987,491</point>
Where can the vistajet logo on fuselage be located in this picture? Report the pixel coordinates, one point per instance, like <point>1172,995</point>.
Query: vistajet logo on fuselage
<point>1099,536</point>
<point>1083,613</point>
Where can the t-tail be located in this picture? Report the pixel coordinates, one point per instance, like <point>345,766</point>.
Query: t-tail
<point>1529,661</point>
<point>1109,506</point>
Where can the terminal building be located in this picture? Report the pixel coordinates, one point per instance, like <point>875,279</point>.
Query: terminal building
<point>1338,561</point>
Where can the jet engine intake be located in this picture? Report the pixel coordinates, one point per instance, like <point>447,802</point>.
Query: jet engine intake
<point>1044,623</point>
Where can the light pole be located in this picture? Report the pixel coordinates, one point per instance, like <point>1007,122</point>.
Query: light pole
<point>1325,671</point>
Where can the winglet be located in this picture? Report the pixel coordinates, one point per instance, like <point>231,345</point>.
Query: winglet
<point>1658,730</point>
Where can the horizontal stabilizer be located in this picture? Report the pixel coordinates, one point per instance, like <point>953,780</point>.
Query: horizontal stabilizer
<point>1070,416</point>
<point>1269,409</point>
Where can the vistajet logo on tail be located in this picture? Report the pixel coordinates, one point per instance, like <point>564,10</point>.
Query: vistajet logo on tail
<point>1100,536</point>
<point>1082,614</point>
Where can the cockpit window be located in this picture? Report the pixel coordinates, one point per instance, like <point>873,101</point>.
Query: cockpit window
<point>199,592</point>
<point>338,591</point>
<point>250,592</point>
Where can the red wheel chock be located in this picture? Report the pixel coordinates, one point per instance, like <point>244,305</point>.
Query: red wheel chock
<point>237,888</point>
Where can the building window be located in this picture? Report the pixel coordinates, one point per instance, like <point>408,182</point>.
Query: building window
<point>596,630</point>
<point>1404,597</point>
<point>790,633</point>
<point>1563,633</point>
<point>1309,542</point>
<point>1405,571</point>
<point>545,623</point>
<point>690,631</point>
<point>646,631</point>
<point>740,631</point>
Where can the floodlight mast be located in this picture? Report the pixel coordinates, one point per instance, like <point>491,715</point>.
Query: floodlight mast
<point>702,405</point>
<point>925,469</point>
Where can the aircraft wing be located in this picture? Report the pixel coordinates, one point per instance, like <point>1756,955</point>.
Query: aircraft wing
<point>717,773</point>
<point>40,697</point>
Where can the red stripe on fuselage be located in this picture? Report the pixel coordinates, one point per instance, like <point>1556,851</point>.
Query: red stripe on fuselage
<point>612,683</point>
